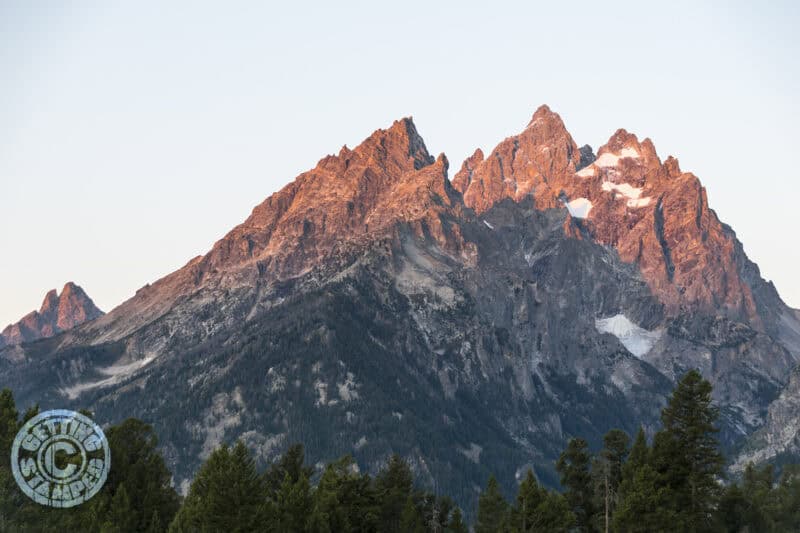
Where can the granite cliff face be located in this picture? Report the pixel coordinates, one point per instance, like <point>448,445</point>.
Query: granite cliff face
<point>372,306</point>
<point>58,313</point>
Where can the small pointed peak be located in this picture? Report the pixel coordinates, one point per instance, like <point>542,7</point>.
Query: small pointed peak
<point>463,177</point>
<point>50,302</point>
<point>544,114</point>
<point>441,160</point>
<point>472,161</point>
<point>400,141</point>
<point>69,288</point>
<point>542,111</point>
<point>621,139</point>
<point>673,167</point>
<point>649,151</point>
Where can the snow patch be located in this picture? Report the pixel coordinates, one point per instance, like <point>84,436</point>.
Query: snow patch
<point>579,207</point>
<point>636,340</point>
<point>628,191</point>
<point>625,189</point>
<point>611,160</point>
<point>488,225</point>
<point>586,172</point>
<point>607,160</point>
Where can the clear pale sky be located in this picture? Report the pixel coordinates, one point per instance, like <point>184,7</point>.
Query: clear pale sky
<point>133,135</point>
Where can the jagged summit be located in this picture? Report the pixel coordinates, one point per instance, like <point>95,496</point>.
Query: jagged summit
<point>57,313</point>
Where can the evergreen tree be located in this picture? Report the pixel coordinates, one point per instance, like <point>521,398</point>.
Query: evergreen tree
<point>410,519</point>
<point>646,505</point>
<point>607,470</point>
<point>686,452</point>
<point>292,505</point>
<point>492,509</point>
<point>573,465</point>
<point>121,517</point>
<point>537,509</point>
<point>10,495</point>
<point>344,500</point>
<point>788,499</point>
<point>138,464</point>
<point>290,464</point>
<point>393,487</point>
<point>227,495</point>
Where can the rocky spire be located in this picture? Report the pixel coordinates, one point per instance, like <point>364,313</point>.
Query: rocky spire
<point>535,163</point>
<point>57,313</point>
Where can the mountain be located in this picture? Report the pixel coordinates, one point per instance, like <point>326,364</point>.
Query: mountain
<point>373,306</point>
<point>58,313</point>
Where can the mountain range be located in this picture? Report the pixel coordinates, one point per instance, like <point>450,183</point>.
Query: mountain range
<point>374,306</point>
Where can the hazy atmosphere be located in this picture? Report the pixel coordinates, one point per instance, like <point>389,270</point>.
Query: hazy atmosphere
<point>135,135</point>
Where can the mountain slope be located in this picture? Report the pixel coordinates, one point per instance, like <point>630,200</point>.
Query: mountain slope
<point>371,306</point>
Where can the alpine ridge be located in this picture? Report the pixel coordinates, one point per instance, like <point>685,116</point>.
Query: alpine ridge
<point>372,306</point>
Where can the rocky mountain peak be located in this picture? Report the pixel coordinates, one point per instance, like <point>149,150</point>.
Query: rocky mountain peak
<point>50,303</point>
<point>57,313</point>
<point>75,307</point>
<point>534,163</point>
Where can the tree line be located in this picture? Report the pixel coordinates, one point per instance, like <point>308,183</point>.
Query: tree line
<point>674,482</point>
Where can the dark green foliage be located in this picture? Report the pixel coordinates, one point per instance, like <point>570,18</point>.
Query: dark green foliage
<point>573,465</point>
<point>393,487</point>
<point>492,509</point>
<point>138,465</point>
<point>686,454</point>
<point>607,476</point>
<point>537,509</point>
<point>137,495</point>
<point>226,495</point>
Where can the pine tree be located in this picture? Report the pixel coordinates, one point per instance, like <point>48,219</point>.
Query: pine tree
<point>138,464</point>
<point>121,517</point>
<point>492,509</point>
<point>537,509</point>
<point>573,465</point>
<point>788,499</point>
<point>227,495</point>
<point>290,464</point>
<point>411,520</point>
<point>646,504</point>
<point>292,505</point>
<point>686,451</point>
<point>607,471</point>
<point>393,488</point>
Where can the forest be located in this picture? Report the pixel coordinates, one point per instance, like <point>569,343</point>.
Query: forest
<point>673,481</point>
